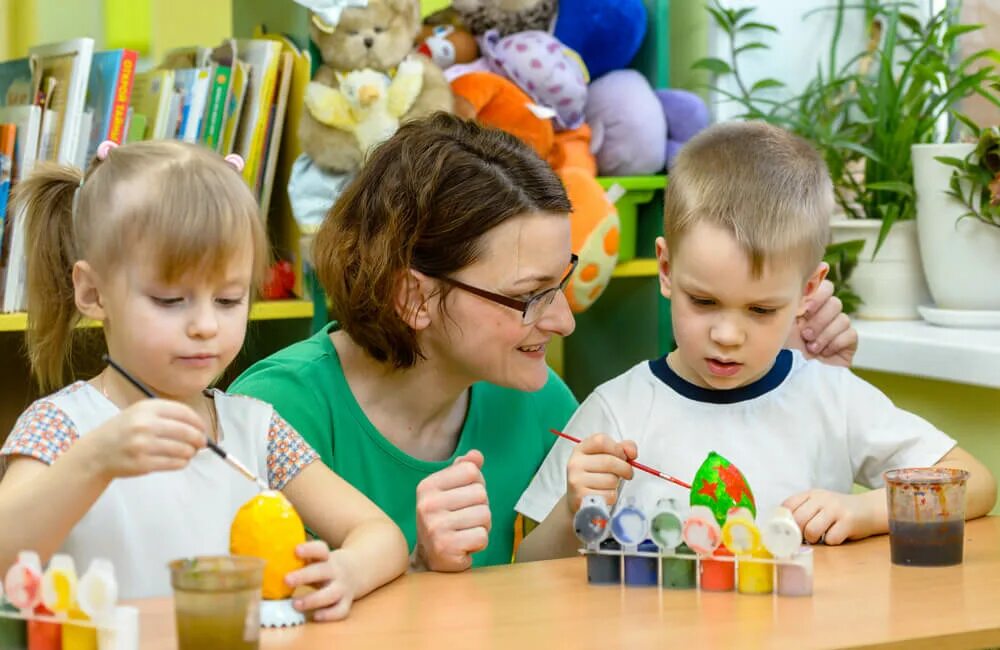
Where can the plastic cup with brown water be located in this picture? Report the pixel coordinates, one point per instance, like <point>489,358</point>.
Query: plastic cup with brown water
<point>217,602</point>
<point>926,515</point>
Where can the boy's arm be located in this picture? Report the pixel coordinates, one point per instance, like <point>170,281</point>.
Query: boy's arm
<point>981,490</point>
<point>552,538</point>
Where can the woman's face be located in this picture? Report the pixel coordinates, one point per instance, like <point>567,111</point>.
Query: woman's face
<point>481,340</point>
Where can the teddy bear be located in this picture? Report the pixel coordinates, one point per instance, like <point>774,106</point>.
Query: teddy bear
<point>367,103</point>
<point>379,35</point>
<point>507,16</point>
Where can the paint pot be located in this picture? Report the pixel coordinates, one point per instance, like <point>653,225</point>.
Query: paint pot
<point>97,592</point>
<point>59,585</point>
<point>795,574</point>
<point>666,526</point>
<point>13,631</point>
<point>926,515</point>
<point>641,571</point>
<point>24,582</point>
<point>717,575</point>
<point>678,571</point>
<point>78,637</point>
<point>590,523</point>
<point>629,525</point>
<point>605,569</point>
<point>44,636</point>
<point>124,631</point>
<point>740,534</point>
<point>755,577</point>
<point>702,532</point>
<point>780,533</point>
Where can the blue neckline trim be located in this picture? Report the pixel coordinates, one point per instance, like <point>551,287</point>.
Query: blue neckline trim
<point>782,366</point>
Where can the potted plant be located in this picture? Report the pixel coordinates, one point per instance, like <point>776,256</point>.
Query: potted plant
<point>864,116</point>
<point>958,218</point>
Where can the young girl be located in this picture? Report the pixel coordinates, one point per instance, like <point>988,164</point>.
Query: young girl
<point>162,244</point>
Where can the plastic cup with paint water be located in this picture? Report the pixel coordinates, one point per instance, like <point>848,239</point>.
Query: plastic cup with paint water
<point>926,515</point>
<point>217,601</point>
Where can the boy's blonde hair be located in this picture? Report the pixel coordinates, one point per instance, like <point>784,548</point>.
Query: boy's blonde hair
<point>768,188</point>
<point>183,202</point>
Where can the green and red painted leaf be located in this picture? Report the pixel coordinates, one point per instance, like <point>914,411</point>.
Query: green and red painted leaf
<point>719,485</point>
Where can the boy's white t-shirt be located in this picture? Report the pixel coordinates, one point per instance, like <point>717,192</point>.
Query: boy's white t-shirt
<point>141,523</point>
<point>803,425</point>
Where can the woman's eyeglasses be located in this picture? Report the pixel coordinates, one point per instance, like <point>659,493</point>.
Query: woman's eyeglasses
<point>532,308</point>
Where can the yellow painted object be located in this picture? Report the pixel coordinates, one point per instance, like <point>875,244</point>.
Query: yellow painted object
<point>78,637</point>
<point>268,527</point>
<point>755,577</point>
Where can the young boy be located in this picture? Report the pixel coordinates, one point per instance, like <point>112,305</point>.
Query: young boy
<point>746,222</point>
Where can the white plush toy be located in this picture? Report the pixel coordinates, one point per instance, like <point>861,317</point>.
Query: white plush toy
<point>368,103</point>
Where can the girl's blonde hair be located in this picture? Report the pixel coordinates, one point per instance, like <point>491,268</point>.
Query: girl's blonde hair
<point>183,202</point>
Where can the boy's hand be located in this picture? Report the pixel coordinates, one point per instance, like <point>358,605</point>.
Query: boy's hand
<point>595,467</point>
<point>330,574</point>
<point>824,332</point>
<point>453,515</point>
<point>152,435</point>
<point>830,517</point>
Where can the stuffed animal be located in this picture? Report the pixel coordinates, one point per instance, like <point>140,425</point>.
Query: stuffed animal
<point>506,16</point>
<point>447,45</point>
<point>606,33</point>
<point>495,101</point>
<point>628,124</point>
<point>594,234</point>
<point>541,66</point>
<point>378,36</point>
<point>367,103</point>
<point>686,114</point>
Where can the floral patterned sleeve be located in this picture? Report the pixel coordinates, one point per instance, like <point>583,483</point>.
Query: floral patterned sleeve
<point>287,452</point>
<point>43,432</point>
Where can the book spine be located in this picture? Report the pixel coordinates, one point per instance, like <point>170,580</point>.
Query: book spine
<point>212,130</point>
<point>123,93</point>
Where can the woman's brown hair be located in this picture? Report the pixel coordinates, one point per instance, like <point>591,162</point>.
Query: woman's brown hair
<point>423,201</point>
<point>183,203</point>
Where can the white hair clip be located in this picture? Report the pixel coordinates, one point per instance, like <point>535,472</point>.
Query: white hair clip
<point>326,13</point>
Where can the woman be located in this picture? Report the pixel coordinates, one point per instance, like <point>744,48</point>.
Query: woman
<point>444,260</point>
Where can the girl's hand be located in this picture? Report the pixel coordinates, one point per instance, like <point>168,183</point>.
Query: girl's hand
<point>331,574</point>
<point>596,466</point>
<point>453,515</point>
<point>153,435</point>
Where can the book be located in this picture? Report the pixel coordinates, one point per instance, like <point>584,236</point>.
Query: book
<point>63,70</point>
<point>151,95</point>
<point>272,143</point>
<point>17,83</point>
<point>262,58</point>
<point>8,140</point>
<point>193,86</point>
<point>215,111</point>
<point>109,91</point>
<point>28,120</point>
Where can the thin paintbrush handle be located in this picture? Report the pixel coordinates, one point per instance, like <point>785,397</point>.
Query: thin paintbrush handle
<point>145,390</point>
<point>634,463</point>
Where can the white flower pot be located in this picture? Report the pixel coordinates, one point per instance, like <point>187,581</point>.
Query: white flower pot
<point>891,285</point>
<point>961,256</point>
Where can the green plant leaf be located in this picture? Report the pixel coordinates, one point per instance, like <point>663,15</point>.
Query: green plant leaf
<point>766,83</point>
<point>712,64</point>
<point>750,46</point>
<point>891,186</point>
<point>751,25</point>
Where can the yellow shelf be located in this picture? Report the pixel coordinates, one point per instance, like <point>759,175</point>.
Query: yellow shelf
<point>266,310</point>
<point>636,268</point>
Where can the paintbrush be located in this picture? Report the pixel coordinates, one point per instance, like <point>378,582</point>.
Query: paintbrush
<point>235,463</point>
<point>634,463</point>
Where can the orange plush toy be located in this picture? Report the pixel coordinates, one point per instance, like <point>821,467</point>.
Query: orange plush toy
<point>595,230</point>
<point>494,101</point>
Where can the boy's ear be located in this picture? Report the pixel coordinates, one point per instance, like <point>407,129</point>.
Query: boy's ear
<point>87,292</point>
<point>812,285</point>
<point>412,292</point>
<point>663,266</point>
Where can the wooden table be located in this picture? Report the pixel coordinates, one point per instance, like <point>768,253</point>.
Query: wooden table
<point>860,600</point>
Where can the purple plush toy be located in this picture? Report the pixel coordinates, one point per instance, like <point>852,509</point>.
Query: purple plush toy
<point>628,125</point>
<point>540,65</point>
<point>686,114</point>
